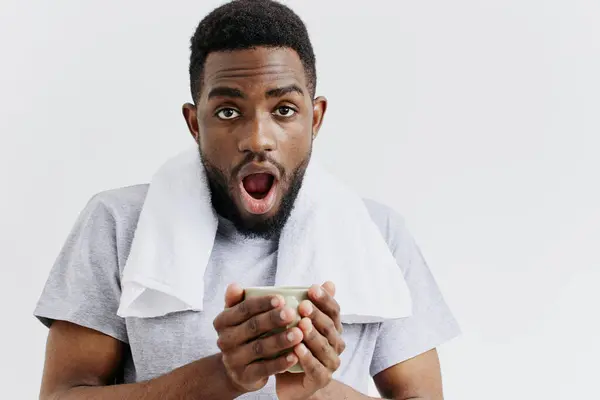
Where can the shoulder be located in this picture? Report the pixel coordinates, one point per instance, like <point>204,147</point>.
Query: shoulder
<point>110,218</point>
<point>121,205</point>
<point>125,199</point>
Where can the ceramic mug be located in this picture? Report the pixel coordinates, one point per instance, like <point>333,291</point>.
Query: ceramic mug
<point>292,295</point>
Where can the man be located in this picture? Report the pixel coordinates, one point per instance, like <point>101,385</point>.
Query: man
<point>254,110</point>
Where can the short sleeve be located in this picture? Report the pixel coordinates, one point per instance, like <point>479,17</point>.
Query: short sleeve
<point>84,285</point>
<point>431,322</point>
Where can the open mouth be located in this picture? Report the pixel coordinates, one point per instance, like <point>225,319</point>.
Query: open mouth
<point>258,192</point>
<point>258,185</point>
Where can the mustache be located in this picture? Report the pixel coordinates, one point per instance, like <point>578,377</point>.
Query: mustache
<point>261,157</point>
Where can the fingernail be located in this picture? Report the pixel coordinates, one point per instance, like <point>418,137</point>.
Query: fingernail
<point>287,313</point>
<point>302,349</point>
<point>309,325</point>
<point>290,336</point>
<point>291,313</point>
<point>309,308</point>
<point>319,292</point>
<point>275,302</point>
<point>290,358</point>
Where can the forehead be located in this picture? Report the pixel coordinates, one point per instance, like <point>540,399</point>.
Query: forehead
<point>257,66</point>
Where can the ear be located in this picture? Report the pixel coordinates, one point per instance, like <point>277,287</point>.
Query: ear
<point>191,119</point>
<point>319,108</point>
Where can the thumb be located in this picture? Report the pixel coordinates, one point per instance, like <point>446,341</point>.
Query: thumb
<point>329,287</point>
<point>233,295</point>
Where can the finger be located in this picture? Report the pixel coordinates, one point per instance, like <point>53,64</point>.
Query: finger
<point>329,287</point>
<point>324,325</point>
<point>265,348</point>
<point>263,369</point>
<point>319,345</point>
<point>325,303</point>
<point>246,309</point>
<point>233,295</point>
<point>254,327</point>
<point>314,370</point>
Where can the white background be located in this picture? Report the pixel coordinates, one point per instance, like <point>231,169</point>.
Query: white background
<point>477,120</point>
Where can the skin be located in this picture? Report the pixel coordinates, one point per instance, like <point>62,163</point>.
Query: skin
<point>255,104</point>
<point>317,343</point>
<point>82,363</point>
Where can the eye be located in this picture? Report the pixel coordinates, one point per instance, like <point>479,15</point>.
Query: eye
<point>227,113</point>
<point>285,111</point>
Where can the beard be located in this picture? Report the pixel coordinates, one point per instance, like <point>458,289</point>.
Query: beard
<point>257,226</point>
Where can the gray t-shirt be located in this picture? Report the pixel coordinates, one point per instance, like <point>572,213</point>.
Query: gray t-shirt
<point>84,288</point>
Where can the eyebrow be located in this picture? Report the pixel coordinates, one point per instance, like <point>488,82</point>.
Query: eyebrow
<point>224,91</point>
<point>278,92</point>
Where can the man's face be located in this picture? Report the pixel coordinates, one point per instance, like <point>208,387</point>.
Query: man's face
<point>254,122</point>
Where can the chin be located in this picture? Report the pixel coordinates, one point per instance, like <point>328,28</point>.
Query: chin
<point>258,199</point>
<point>267,225</point>
<point>251,219</point>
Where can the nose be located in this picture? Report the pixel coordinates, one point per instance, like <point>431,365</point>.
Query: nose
<point>258,137</point>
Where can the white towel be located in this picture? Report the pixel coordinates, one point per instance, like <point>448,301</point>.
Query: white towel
<point>328,236</point>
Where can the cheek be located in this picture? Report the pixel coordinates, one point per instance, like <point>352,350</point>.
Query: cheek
<point>297,137</point>
<point>294,153</point>
<point>213,156</point>
<point>299,145</point>
<point>217,149</point>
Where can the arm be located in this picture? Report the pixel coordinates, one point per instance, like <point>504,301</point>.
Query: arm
<point>417,378</point>
<point>84,355</point>
<point>80,362</point>
<point>414,379</point>
<point>337,390</point>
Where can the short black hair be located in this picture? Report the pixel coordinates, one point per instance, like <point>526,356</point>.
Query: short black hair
<point>246,24</point>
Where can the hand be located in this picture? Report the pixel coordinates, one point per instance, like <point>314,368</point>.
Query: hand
<point>319,353</point>
<point>246,357</point>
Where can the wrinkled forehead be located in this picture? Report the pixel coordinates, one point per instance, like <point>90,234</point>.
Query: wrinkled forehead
<point>260,66</point>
